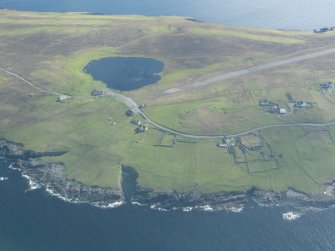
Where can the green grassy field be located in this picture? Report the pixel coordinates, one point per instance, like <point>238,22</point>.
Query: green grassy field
<point>51,49</point>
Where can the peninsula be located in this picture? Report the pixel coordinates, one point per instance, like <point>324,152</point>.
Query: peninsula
<point>190,106</point>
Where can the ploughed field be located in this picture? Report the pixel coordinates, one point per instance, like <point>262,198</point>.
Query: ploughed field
<point>52,49</point>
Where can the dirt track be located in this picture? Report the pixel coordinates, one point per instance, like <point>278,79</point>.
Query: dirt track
<point>133,105</point>
<point>238,73</point>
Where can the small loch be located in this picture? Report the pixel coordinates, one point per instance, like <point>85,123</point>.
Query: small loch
<point>125,73</point>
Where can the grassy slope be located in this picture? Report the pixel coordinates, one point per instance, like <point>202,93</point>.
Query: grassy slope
<point>97,134</point>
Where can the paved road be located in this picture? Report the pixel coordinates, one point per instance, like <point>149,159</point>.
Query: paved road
<point>234,74</point>
<point>133,105</point>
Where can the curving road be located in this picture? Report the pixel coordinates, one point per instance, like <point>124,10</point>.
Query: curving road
<point>234,74</point>
<point>133,105</point>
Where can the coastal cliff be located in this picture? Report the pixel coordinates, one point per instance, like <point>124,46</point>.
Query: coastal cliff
<point>50,176</point>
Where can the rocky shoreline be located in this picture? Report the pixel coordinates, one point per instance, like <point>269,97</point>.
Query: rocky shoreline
<point>51,177</point>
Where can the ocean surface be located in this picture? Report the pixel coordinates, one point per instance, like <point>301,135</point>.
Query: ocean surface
<point>34,220</point>
<point>278,14</point>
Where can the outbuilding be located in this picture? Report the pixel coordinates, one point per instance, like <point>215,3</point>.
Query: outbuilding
<point>282,111</point>
<point>327,85</point>
<point>131,112</point>
<point>300,104</point>
<point>62,98</point>
<point>136,122</point>
<point>96,92</point>
<point>142,128</point>
<point>264,102</point>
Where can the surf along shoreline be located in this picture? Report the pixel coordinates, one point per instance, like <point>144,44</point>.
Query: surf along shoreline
<point>50,177</point>
<point>49,174</point>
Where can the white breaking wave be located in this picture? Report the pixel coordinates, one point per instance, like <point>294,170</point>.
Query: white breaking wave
<point>236,209</point>
<point>137,204</point>
<point>290,216</point>
<point>207,208</point>
<point>155,207</point>
<point>77,201</point>
<point>187,209</point>
<point>14,168</point>
<point>32,184</point>
<point>109,205</point>
<point>61,197</point>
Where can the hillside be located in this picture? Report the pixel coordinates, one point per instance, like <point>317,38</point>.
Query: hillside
<point>52,49</point>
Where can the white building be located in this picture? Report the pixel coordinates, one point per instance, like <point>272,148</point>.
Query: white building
<point>282,111</point>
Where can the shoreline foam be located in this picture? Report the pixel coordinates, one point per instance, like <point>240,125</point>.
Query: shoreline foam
<point>291,216</point>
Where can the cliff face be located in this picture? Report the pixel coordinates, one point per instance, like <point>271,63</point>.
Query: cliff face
<point>15,151</point>
<point>11,150</point>
<point>50,176</point>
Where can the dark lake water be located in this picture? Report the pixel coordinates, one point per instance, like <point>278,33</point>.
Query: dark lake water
<point>36,221</point>
<point>125,73</point>
<point>33,220</point>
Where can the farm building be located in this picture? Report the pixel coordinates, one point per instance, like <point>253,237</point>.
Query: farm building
<point>96,92</point>
<point>62,98</point>
<point>273,109</point>
<point>264,102</point>
<point>131,112</point>
<point>324,29</point>
<point>142,128</point>
<point>282,111</point>
<point>300,104</point>
<point>136,122</point>
<point>227,140</point>
<point>327,85</point>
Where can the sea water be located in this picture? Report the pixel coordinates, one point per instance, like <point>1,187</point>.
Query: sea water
<point>34,220</point>
<point>31,219</point>
<point>277,14</point>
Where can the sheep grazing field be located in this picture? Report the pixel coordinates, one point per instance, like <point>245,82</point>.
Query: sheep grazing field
<point>213,79</point>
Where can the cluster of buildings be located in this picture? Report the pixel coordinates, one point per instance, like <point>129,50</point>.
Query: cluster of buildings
<point>138,123</point>
<point>272,107</point>
<point>131,112</point>
<point>324,29</point>
<point>96,92</point>
<point>226,142</point>
<point>300,104</point>
<point>327,85</point>
<point>141,128</point>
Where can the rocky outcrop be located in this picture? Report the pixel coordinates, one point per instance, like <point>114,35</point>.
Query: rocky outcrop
<point>14,151</point>
<point>51,177</point>
<point>174,200</point>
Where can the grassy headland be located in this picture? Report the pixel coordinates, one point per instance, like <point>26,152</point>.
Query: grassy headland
<point>51,49</point>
